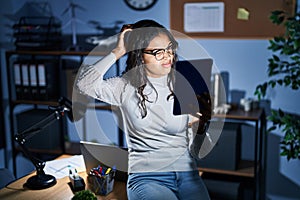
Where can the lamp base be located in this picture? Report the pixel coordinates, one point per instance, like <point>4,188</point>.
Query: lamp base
<point>40,181</point>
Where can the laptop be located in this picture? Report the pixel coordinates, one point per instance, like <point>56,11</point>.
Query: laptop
<point>95,154</point>
<point>192,77</point>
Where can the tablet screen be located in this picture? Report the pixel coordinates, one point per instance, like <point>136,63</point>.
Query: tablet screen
<point>192,77</point>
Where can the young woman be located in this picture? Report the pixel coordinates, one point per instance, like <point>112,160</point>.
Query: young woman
<point>162,152</point>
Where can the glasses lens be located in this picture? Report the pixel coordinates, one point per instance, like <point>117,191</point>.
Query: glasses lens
<point>170,49</point>
<point>159,55</point>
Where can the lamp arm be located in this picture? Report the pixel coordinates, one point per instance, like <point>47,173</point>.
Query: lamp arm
<point>22,137</point>
<point>39,164</point>
<point>41,180</point>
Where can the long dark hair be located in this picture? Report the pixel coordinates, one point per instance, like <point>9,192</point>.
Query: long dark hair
<point>136,41</point>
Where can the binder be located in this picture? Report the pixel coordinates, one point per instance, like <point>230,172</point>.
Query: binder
<point>18,80</point>
<point>33,81</point>
<point>36,80</point>
<point>41,78</point>
<point>25,81</point>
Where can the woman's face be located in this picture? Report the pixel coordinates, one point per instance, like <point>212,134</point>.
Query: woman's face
<point>157,68</point>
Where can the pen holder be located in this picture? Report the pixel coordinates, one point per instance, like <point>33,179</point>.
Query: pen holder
<point>101,184</point>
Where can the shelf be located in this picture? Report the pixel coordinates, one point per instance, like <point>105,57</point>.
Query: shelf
<point>42,151</point>
<point>50,103</point>
<point>245,169</point>
<point>58,53</point>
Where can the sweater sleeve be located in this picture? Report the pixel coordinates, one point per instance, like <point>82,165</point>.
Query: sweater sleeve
<point>196,144</point>
<point>195,141</point>
<point>200,145</point>
<point>90,81</point>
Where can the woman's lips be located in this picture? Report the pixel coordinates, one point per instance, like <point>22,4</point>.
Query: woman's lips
<point>166,65</point>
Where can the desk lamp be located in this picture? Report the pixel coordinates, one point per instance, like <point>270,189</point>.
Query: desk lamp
<point>42,180</point>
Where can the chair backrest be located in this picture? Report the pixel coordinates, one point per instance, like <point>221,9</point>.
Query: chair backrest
<point>6,176</point>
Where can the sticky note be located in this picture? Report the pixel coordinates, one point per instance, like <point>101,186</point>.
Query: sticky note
<point>243,14</point>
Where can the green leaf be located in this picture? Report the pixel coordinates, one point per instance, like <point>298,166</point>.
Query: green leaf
<point>287,80</point>
<point>279,82</point>
<point>284,153</point>
<point>277,17</point>
<point>272,128</point>
<point>276,58</point>
<point>281,113</point>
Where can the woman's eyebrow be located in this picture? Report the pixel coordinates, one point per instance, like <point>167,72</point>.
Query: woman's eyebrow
<point>170,43</point>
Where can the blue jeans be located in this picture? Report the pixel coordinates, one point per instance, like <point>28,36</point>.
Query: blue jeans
<point>166,186</point>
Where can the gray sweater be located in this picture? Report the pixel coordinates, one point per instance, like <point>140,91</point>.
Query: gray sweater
<point>159,142</point>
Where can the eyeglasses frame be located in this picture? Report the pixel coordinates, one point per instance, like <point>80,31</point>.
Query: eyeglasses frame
<point>154,52</point>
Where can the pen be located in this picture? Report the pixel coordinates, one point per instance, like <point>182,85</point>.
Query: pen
<point>96,172</point>
<point>108,170</point>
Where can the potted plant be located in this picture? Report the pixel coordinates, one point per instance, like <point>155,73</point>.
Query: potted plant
<point>284,70</point>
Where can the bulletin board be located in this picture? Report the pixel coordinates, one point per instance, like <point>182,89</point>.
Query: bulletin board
<point>242,18</point>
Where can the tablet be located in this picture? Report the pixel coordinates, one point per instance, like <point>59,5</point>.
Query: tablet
<point>192,77</point>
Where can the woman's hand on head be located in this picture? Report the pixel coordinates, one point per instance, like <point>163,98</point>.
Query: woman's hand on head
<point>120,49</point>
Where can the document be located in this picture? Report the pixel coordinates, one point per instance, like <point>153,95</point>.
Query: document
<point>204,17</point>
<point>60,168</point>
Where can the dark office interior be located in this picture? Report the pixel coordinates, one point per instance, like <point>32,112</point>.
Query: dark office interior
<point>244,164</point>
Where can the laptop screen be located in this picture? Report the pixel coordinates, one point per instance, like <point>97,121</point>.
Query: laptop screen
<point>95,154</point>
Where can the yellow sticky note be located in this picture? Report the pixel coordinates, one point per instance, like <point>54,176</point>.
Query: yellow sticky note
<point>243,14</point>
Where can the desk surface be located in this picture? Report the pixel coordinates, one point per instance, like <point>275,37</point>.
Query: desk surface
<point>61,190</point>
<point>252,115</point>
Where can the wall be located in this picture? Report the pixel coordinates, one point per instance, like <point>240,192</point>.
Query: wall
<point>246,61</point>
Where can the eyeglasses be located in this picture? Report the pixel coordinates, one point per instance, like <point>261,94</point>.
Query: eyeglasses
<point>160,53</point>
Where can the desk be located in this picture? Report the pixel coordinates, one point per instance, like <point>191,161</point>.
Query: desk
<point>248,170</point>
<point>61,190</point>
